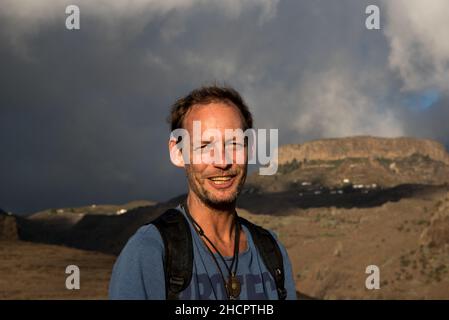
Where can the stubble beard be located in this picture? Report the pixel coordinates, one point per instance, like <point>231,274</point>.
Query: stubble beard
<point>197,185</point>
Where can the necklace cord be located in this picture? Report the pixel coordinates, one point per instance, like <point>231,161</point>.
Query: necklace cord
<point>235,257</point>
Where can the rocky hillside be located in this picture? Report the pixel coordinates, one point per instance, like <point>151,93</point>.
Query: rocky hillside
<point>104,228</point>
<point>364,163</point>
<point>331,246</point>
<point>8,227</point>
<point>362,147</point>
<point>437,233</point>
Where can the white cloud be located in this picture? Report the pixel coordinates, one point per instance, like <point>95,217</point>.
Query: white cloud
<point>115,18</point>
<point>418,33</point>
<point>32,14</point>
<point>333,104</point>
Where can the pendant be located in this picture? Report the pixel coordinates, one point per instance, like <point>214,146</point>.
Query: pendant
<point>233,287</point>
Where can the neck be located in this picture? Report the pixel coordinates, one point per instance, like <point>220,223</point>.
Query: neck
<point>216,222</point>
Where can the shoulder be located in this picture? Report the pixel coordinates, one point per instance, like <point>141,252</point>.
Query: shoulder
<point>139,268</point>
<point>143,247</point>
<point>146,238</point>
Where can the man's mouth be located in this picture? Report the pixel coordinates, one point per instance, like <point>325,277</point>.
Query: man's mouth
<point>222,181</point>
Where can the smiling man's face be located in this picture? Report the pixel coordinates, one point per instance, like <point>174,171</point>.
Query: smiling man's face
<point>216,182</point>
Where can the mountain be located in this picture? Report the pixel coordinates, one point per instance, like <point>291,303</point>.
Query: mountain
<point>104,228</point>
<point>362,147</point>
<point>363,162</point>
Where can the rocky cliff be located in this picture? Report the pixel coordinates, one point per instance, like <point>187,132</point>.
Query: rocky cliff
<point>362,147</point>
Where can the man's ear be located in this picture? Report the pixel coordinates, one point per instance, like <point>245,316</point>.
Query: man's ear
<point>176,156</point>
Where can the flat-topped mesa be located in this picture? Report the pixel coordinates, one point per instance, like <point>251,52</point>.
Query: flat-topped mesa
<point>362,147</point>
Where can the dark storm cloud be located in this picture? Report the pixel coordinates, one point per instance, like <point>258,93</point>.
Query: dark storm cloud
<point>83,112</point>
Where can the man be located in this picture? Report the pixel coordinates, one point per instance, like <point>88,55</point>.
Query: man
<point>230,259</point>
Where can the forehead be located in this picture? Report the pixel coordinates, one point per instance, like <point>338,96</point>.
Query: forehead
<point>217,115</point>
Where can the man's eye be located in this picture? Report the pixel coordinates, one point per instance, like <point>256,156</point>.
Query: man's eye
<point>206,146</point>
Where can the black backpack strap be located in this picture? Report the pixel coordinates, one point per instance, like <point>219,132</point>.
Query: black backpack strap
<point>270,253</point>
<point>178,262</point>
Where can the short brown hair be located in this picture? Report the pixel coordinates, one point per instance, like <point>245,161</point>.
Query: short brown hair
<point>205,95</point>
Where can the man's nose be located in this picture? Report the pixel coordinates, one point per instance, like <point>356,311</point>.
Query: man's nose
<point>221,161</point>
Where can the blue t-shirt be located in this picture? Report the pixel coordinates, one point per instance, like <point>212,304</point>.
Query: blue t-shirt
<point>138,272</point>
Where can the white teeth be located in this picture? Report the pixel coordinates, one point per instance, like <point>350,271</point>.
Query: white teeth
<point>220,180</point>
